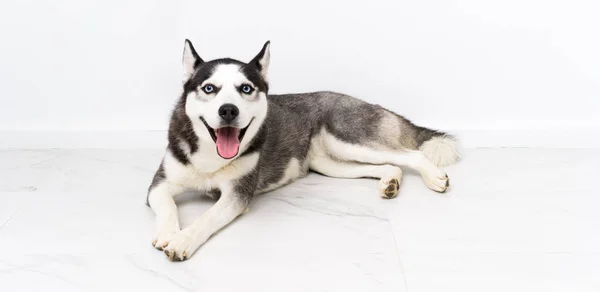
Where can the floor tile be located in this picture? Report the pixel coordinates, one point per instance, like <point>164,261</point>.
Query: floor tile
<point>513,220</point>
<point>502,272</point>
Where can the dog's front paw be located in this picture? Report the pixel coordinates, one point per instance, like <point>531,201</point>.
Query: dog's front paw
<point>164,235</point>
<point>182,246</point>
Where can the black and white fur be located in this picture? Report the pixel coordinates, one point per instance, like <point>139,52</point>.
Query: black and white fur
<point>284,136</point>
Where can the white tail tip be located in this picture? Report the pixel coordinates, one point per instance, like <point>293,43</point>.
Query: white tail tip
<point>441,150</point>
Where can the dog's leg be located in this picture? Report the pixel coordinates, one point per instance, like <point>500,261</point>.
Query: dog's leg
<point>435,178</point>
<point>390,176</point>
<point>228,207</point>
<point>160,198</point>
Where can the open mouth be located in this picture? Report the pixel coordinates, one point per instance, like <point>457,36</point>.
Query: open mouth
<point>227,139</point>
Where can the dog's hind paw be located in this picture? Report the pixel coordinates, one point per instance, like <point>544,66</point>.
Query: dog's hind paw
<point>438,182</point>
<point>389,187</point>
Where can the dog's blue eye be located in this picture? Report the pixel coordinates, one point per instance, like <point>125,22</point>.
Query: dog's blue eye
<point>208,88</point>
<point>246,88</point>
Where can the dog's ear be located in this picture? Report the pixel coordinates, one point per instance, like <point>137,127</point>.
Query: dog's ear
<point>261,61</point>
<point>191,60</point>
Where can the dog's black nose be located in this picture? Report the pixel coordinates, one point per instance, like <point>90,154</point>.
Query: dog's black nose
<point>228,112</point>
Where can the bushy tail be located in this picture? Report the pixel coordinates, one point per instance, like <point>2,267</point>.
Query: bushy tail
<point>441,148</point>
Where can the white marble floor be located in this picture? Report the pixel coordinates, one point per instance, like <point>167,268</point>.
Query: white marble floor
<point>514,220</point>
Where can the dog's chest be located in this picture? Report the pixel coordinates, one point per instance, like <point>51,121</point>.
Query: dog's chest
<point>208,163</point>
<point>207,174</point>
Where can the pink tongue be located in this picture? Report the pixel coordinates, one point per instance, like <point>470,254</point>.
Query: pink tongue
<point>228,142</point>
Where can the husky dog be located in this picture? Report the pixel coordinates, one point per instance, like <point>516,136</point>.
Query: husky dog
<point>231,140</point>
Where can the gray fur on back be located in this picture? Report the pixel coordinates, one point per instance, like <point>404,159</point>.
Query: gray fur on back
<point>348,118</point>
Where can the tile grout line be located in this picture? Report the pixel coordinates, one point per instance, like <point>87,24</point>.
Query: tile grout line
<point>8,220</point>
<point>398,255</point>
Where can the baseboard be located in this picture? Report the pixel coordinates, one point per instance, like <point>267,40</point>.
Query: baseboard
<point>86,140</point>
<point>529,138</point>
<point>158,139</point>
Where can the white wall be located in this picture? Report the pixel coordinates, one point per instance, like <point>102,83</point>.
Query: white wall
<point>457,65</point>
<point>78,65</point>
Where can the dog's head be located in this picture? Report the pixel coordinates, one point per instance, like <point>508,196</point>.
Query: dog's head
<point>226,99</point>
